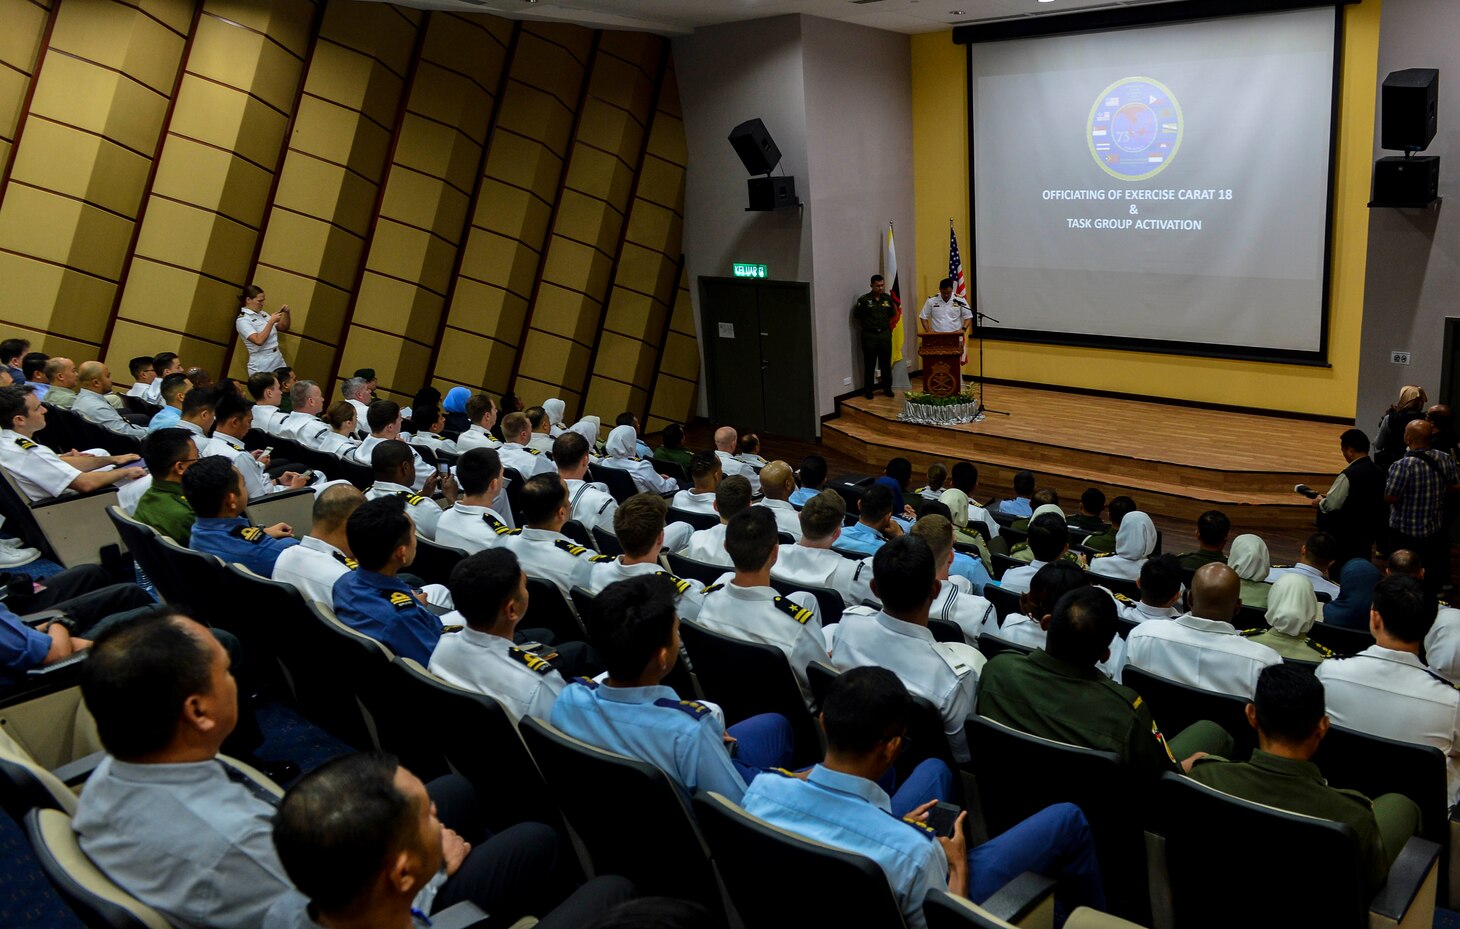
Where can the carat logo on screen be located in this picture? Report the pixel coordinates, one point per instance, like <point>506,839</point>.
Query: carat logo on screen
<point>1135,128</point>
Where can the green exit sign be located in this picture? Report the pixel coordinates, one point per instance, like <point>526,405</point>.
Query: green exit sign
<point>740,269</point>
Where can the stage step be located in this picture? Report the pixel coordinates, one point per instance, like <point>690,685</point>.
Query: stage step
<point>1252,499</point>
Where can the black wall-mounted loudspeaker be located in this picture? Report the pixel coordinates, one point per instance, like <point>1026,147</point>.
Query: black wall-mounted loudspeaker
<point>772,193</point>
<point>1401,181</point>
<point>1410,102</point>
<point>755,147</point>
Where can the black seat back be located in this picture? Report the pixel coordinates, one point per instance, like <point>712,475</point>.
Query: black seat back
<point>746,849</point>
<point>606,542</point>
<point>434,561</point>
<point>1129,589</point>
<point>200,576</point>
<point>698,570</point>
<point>1206,831</point>
<point>354,472</point>
<point>512,482</point>
<point>575,531</point>
<point>1004,601</point>
<point>608,799</point>
<point>619,482</point>
<point>1176,706</point>
<point>547,608</point>
<point>1374,765</point>
<point>1003,563</point>
<point>1342,640</point>
<point>750,678</point>
<point>993,645</point>
<point>698,520</point>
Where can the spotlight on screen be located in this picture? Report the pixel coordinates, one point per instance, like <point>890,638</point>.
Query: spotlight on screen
<point>759,154</point>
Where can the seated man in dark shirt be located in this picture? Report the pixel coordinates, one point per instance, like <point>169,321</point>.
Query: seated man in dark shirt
<point>1104,542</point>
<point>1287,712</point>
<point>215,489</point>
<point>1057,693</point>
<point>1212,528</point>
<point>360,838</point>
<point>1092,504</point>
<point>372,599</point>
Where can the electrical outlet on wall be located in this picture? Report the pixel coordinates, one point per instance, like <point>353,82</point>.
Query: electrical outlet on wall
<point>1399,358</point>
<point>846,382</point>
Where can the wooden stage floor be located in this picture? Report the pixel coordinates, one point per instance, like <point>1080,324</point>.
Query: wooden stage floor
<point>1176,461</point>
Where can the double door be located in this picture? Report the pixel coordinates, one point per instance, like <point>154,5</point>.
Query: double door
<point>759,356</point>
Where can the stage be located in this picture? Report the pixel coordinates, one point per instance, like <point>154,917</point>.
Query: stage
<point>1176,461</point>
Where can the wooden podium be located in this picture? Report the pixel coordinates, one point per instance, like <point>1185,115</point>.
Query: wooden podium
<point>942,371</point>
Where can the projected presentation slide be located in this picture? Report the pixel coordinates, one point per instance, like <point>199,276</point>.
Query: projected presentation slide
<point>1164,183</point>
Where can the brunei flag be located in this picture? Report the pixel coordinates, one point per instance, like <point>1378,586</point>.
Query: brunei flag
<point>889,271</point>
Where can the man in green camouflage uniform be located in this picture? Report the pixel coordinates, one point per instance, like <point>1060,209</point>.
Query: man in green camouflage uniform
<point>874,312</point>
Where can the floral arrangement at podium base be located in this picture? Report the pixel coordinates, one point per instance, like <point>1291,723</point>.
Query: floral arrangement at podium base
<point>929,410</point>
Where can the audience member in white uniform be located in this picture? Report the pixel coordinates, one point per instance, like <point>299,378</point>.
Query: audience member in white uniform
<point>937,475</point>
<point>542,432</point>
<point>393,464</point>
<point>492,590</point>
<point>94,381</point>
<point>897,638</point>
<point>592,504</point>
<point>233,417</point>
<point>1160,584</point>
<point>302,423</point>
<point>143,374</point>
<point>811,561</point>
<point>515,452</point>
<point>748,608</point>
<point>1049,505</point>
<point>320,558</point>
<point>340,439</point>
<point>1385,690</point>
<point>1249,558</point>
<point>1315,559</point>
<point>811,477</point>
<point>483,415</point>
<point>555,410</point>
<point>1049,539</point>
<point>641,448</point>
<point>429,421</point>
<point>621,445</point>
<point>956,602</point>
<point>726,448</point>
<point>471,524</point>
<point>163,364</point>
<point>639,526</point>
<point>732,498</point>
<point>705,471</point>
<point>358,394</point>
<point>40,472</point>
<point>1442,642</point>
<point>776,484</point>
<point>588,427</point>
<point>1202,648</point>
<point>1030,626</point>
<point>964,476</point>
<point>1134,543</point>
<point>385,421</point>
<point>541,546</point>
<point>749,453</point>
<point>264,388</point>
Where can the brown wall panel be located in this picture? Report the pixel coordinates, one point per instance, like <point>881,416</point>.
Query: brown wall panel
<point>438,195</point>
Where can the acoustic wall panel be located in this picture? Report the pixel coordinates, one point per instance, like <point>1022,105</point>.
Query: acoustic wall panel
<point>436,165</point>
<point>441,196</point>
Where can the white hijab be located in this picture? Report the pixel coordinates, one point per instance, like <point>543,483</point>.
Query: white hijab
<point>587,427</point>
<point>622,442</point>
<point>555,409</point>
<point>1134,542</point>
<point>1291,606</point>
<point>1249,558</point>
<point>1047,508</point>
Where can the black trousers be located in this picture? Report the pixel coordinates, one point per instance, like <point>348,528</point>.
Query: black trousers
<point>517,872</point>
<point>86,593</point>
<point>873,355</point>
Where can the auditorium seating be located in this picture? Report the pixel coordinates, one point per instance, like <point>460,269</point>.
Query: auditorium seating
<point>547,608</point>
<point>67,529</point>
<point>1176,706</point>
<point>829,603</point>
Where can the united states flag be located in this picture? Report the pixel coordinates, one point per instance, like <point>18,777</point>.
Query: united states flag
<point>955,265</point>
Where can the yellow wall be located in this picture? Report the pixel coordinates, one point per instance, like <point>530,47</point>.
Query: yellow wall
<point>941,178</point>
<point>434,193</point>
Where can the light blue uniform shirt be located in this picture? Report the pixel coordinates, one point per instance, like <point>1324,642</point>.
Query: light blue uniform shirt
<point>237,540</point>
<point>971,569</point>
<point>853,813</point>
<point>861,538</point>
<point>184,839</point>
<point>681,737</point>
<point>1019,506</point>
<point>800,495</point>
<point>165,418</point>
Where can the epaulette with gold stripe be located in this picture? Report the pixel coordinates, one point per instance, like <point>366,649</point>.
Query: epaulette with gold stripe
<point>794,610</point>
<point>679,585</point>
<point>247,533</point>
<point>713,587</point>
<point>534,662</point>
<point>922,827</point>
<point>1320,648</point>
<point>402,600</point>
<point>412,498</point>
